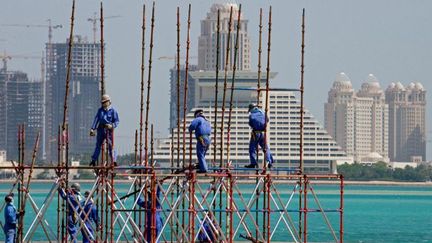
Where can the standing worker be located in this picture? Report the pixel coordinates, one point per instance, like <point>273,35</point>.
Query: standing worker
<point>106,120</point>
<point>11,217</point>
<point>202,129</point>
<point>88,214</point>
<point>258,122</point>
<point>147,205</point>
<point>73,198</point>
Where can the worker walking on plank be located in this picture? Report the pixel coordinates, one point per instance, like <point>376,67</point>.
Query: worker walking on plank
<point>73,198</point>
<point>88,214</point>
<point>258,122</point>
<point>105,121</point>
<point>202,129</point>
<point>11,219</point>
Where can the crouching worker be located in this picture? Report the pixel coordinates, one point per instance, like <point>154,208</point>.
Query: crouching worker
<point>106,120</point>
<point>258,122</point>
<point>11,217</point>
<point>148,206</point>
<point>88,215</point>
<point>72,197</point>
<point>202,129</point>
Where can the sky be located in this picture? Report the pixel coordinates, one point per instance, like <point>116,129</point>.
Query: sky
<point>389,38</point>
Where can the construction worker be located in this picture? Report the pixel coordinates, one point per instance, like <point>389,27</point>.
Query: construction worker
<point>258,123</point>
<point>11,219</point>
<point>147,205</point>
<point>202,129</point>
<point>72,197</point>
<point>88,215</point>
<point>105,121</point>
<point>206,234</point>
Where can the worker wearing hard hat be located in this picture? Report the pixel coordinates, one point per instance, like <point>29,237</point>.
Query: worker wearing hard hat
<point>72,197</point>
<point>258,123</point>
<point>148,206</point>
<point>105,121</point>
<point>89,214</point>
<point>202,129</point>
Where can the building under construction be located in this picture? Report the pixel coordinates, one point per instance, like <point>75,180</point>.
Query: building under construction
<point>176,204</point>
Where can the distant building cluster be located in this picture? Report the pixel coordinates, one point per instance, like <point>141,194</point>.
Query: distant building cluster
<point>39,104</point>
<point>376,125</point>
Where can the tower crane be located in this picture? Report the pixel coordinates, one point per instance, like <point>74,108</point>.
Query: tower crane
<point>5,57</point>
<point>95,20</point>
<point>50,27</point>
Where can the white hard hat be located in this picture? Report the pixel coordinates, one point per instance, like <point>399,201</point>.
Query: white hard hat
<point>105,98</point>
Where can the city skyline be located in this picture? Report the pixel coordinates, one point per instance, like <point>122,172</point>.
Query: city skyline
<point>355,46</point>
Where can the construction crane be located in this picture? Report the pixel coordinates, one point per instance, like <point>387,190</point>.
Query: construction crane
<point>5,57</point>
<point>95,20</point>
<point>49,26</point>
<point>173,57</point>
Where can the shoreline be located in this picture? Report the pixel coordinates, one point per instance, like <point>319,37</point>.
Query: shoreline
<point>324,182</point>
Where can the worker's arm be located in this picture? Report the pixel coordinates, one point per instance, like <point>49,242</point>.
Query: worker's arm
<point>96,121</point>
<point>94,215</point>
<point>10,215</point>
<point>194,124</point>
<point>116,119</point>
<point>62,193</point>
<point>141,202</point>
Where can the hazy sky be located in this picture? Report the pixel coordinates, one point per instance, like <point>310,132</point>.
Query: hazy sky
<point>391,39</point>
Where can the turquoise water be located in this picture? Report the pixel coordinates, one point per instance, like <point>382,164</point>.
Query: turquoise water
<point>372,213</point>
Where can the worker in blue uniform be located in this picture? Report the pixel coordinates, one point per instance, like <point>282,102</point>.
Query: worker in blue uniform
<point>202,129</point>
<point>105,121</point>
<point>11,219</point>
<point>73,198</point>
<point>88,215</point>
<point>206,234</point>
<point>258,122</point>
<point>147,205</point>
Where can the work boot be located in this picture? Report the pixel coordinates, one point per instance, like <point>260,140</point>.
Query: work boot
<point>196,167</point>
<point>251,166</point>
<point>92,162</point>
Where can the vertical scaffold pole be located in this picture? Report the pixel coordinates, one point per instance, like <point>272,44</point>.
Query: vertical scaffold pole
<point>305,209</point>
<point>216,88</point>
<point>226,67</point>
<point>102,48</point>
<point>178,113</point>
<point>302,92</point>
<point>341,210</point>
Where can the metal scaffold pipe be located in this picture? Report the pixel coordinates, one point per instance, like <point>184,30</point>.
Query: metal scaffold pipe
<point>102,50</point>
<point>68,67</point>
<point>142,85</point>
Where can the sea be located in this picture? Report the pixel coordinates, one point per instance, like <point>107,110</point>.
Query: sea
<point>372,213</point>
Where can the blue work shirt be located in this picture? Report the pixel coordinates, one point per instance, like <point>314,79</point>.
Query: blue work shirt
<point>72,201</point>
<point>105,117</point>
<point>201,126</point>
<point>90,210</point>
<point>257,119</point>
<point>10,214</point>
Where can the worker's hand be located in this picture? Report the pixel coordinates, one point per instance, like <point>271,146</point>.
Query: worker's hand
<point>22,213</point>
<point>92,132</point>
<point>109,126</point>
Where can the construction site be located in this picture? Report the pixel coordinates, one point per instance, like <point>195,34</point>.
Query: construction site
<point>159,196</point>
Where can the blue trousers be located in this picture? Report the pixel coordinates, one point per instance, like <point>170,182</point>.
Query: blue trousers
<point>257,138</point>
<point>88,236</point>
<point>10,235</point>
<point>159,223</point>
<point>203,143</point>
<point>71,228</point>
<point>103,134</point>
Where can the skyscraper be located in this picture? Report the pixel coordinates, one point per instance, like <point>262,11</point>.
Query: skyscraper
<point>407,122</point>
<point>21,102</point>
<point>358,121</point>
<point>207,51</point>
<point>83,97</point>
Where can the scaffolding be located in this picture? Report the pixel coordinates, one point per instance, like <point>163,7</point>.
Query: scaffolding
<point>226,204</point>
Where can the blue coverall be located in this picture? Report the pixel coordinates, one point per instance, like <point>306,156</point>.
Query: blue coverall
<point>90,210</point>
<point>202,237</point>
<point>202,130</point>
<point>148,206</point>
<point>9,228</point>
<point>73,202</point>
<point>257,122</point>
<point>104,117</point>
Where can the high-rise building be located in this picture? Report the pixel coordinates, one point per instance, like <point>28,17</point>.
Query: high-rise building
<point>207,51</point>
<point>358,121</point>
<point>21,102</point>
<point>83,97</point>
<point>407,122</point>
